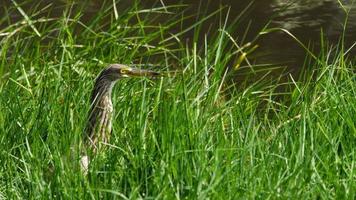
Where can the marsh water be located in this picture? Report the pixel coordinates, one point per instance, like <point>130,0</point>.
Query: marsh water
<point>305,19</point>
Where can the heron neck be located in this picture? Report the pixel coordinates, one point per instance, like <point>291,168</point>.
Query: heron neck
<point>102,88</point>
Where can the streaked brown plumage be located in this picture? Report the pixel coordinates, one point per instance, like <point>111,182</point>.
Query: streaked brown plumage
<point>99,125</point>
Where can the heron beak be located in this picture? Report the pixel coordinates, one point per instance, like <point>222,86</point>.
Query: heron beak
<point>133,72</point>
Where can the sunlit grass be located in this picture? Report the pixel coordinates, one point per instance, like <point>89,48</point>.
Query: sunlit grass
<point>187,136</point>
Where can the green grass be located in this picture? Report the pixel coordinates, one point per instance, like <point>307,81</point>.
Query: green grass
<point>188,136</point>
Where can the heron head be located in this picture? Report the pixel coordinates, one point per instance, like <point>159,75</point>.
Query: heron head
<point>117,71</point>
<point>108,77</point>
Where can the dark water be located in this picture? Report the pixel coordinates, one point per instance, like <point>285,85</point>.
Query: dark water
<point>303,18</point>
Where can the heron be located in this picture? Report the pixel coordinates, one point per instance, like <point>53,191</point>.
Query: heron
<point>99,124</point>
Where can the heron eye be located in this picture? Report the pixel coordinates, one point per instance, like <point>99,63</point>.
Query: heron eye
<point>124,71</point>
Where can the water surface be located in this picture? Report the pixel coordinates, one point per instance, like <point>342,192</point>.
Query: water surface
<point>305,19</point>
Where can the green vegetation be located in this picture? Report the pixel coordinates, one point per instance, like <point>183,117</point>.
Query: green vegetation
<point>188,136</point>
